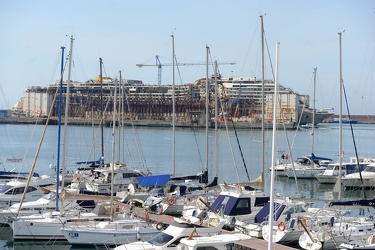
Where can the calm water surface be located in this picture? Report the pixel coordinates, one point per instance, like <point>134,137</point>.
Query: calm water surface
<point>238,158</point>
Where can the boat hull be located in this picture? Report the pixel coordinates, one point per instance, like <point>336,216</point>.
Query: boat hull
<point>308,173</point>
<point>326,179</point>
<point>36,230</point>
<point>351,183</point>
<point>78,236</point>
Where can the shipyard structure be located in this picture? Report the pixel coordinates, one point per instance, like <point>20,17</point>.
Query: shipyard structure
<point>239,102</point>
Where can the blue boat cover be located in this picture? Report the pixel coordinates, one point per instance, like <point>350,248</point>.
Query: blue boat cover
<point>313,157</point>
<point>89,162</point>
<point>263,214</point>
<point>232,206</point>
<point>153,180</point>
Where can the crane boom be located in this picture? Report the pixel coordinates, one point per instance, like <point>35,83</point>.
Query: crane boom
<point>159,65</point>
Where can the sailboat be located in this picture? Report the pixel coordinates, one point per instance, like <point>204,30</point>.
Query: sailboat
<point>341,229</point>
<point>112,232</point>
<point>307,167</point>
<point>200,177</point>
<point>188,186</point>
<point>48,225</point>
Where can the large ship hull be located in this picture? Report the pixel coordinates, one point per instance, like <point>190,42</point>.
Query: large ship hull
<point>307,116</point>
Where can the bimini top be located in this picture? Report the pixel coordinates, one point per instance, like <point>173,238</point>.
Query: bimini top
<point>313,157</point>
<point>232,206</point>
<point>153,180</point>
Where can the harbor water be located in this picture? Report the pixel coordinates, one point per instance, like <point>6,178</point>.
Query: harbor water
<point>233,155</point>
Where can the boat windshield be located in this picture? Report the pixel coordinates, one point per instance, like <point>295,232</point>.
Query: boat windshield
<point>370,169</point>
<point>5,188</point>
<point>303,161</point>
<point>332,167</point>
<point>160,239</point>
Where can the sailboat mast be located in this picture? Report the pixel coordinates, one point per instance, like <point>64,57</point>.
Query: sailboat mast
<point>67,103</point>
<point>113,145</point>
<point>59,130</point>
<point>173,115</point>
<point>313,116</point>
<point>207,103</point>
<point>101,110</point>
<point>36,155</point>
<point>216,129</point>
<point>272,191</point>
<point>122,117</point>
<point>340,119</point>
<point>120,123</point>
<point>262,52</point>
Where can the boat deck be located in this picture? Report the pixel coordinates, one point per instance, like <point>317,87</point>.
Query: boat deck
<point>251,244</point>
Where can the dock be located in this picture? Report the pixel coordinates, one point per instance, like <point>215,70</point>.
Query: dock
<point>251,244</point>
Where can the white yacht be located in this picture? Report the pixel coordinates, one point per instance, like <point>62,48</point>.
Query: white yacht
<point>307,167</point>
<point>12,191</point>
<point>42,205</point>
<point>218,242</point>
<point>333,169</point>
<point>365,179</point>
<point>100,181</point>
<point>172,235</point>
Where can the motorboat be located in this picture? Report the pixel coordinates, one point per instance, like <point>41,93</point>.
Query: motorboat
<point>307,167</point>
<point>100,182</point>
<point>172,235</point>
<point>333,169</point>
<point>44,204</point>
<point>365,179</point>
<point>219,242</point>
<point>12,191</point>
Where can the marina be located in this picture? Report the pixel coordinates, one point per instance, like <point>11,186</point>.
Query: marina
<point>156,153</point>
<point>250,155</point>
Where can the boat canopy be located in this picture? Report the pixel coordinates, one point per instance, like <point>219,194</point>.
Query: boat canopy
<point>201,177</point>
<point>264,213</point>
<point>313,157</point>
<point>93,163</point>
<point>232,206</point>
<point>153,180</point>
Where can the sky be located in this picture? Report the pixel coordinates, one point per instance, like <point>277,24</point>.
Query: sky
<point>126,33</point>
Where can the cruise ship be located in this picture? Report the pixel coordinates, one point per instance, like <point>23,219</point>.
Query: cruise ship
<point>240,101</point>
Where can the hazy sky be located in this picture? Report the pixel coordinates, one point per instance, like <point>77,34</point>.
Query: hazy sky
<point>125,33</point>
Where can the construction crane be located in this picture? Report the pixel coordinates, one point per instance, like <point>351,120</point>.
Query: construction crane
<point>159,65</point>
